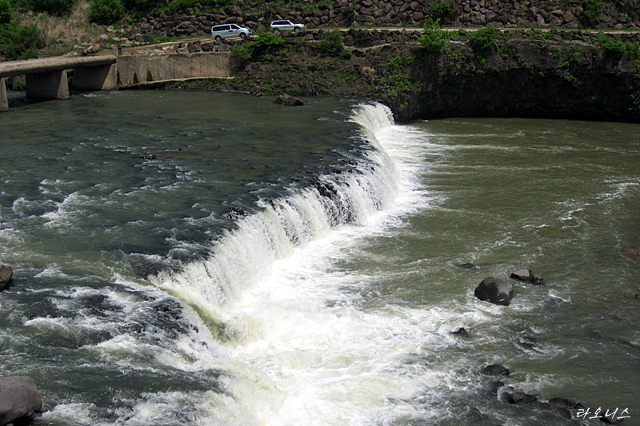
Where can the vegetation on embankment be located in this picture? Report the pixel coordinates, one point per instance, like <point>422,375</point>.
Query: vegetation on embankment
<point>30,28</point>
<point>487,72</point>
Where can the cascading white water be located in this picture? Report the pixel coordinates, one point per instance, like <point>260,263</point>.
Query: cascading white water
<point>246,254</point>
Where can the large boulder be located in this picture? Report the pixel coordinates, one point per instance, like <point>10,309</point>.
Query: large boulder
<point>19,398</point>
<point>6,272</point>
<point>497,290</point>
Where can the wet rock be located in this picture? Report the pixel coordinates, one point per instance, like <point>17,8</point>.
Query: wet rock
<point>461,332</point>
<point>528,342</point>
<point>234,213</point>
<point>593,334</point>
<point>496,370</point>
<point>527,275</point>
<point>563,407</point>
<point>512,396</point>
<point>496,290</point>
<point>495,385</point>
<point>468,266</point>
<point>288,100</point>
<point>19,398</point>
<point>6,273</point>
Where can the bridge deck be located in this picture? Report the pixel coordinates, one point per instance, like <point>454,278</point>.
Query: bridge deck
<point>59,63</point>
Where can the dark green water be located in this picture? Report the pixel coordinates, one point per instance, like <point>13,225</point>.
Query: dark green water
<point>212,259</point>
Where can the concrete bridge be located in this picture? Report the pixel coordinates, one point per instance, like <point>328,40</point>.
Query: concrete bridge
<point>52,78</point>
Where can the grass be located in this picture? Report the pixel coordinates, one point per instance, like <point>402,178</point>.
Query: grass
<point>62,33</point>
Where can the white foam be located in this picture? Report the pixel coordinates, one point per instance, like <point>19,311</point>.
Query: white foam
<point>291,316</point>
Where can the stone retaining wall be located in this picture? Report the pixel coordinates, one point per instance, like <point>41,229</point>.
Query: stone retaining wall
<point>565,14</point>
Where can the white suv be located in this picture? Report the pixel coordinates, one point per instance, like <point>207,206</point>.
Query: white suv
<point>218,32</point>
<point>285,25</point>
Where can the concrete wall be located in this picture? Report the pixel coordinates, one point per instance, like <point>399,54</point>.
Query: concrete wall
<point>149,68</point>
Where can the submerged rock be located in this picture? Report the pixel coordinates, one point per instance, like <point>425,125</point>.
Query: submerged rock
<point>527,275</point>
<point>6,273</point>
<point>19,398</point>
<point>496,370</point>
<point>496,290</point>
<point>288,100</point>
<point>468,266</point>
<point>515,397</point>
<point>461,332</point>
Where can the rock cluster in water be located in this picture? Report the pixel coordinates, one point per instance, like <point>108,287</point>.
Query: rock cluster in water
<point>498,290</point>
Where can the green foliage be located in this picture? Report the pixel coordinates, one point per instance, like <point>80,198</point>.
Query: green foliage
<point>106,12</point>
<point>242,51</point>
<point>433,39</point>
<point>346,54</point>
<point>53,7</point>
<point>594,8</point>
<point>399,61</point>
<point>137,8</point>
<point>332,43</point>
<point>350,13</point>
<point>5,11</point>
<point>183,4</point>
<point>484,37</point>
<point>439,9</point>
<point>395,84</point>
<point>557,53</point>
<point>20,41</point>
<point>266,42</point>
<point>616,47</point>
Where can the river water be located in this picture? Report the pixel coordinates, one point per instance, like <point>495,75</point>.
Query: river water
<point>217,259</point>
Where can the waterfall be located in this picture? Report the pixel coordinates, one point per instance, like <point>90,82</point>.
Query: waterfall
<point>245,254</point>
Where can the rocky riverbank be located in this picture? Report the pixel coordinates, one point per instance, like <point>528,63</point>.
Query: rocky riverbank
<point>522,73</point>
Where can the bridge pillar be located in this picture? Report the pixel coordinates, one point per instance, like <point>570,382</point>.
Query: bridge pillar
<point>104,77</point>
<point>48,85</point>
<point>4,101</point>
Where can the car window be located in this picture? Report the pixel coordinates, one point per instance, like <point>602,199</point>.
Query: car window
<point>234,27</point>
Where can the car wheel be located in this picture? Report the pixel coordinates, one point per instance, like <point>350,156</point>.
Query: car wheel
<point>218,38</point>
<point>296,29</point>
<point>276,31</point>
<point>242,35</point>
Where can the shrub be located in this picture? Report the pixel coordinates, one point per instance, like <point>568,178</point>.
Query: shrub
<point>433,39</point>
<point>5,11</point>
<point>594,9</point>
<point>615,47</point>
<point>439,9</point>
<point>106,12</point>
<point>243,51</point>
<point>139,7</point>
<point>266,42</point>
<point>20,42</point>
<point>485,37</point>
<point>53,7</point>
<point>332,43</point>
<point>350,13</point>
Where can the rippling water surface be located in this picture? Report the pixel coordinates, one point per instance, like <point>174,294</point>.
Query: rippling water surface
<point>216,259</point>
